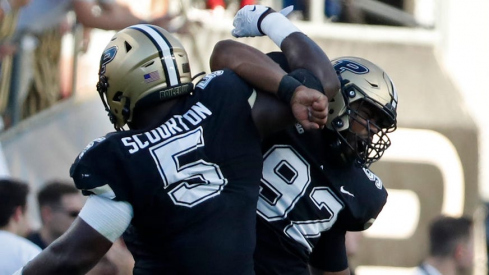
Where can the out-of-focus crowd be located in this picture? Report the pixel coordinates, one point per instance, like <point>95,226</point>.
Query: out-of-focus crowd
<point>34,75</point>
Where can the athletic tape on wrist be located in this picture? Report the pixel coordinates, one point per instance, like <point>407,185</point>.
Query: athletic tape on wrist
<point>277,27</point>
<point>287,88</point>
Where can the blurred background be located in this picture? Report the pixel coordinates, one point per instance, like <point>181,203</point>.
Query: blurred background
<point>436,52</point>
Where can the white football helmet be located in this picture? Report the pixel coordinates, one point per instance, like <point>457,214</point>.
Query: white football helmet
<point>140,66</point>
<point>363,86</point>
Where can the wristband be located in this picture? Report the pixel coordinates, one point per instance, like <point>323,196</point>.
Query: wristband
<point>277,27</point>
<point>5,6</point>
<point>261,19</point>
<point>287,87</point>
<point>307,79</point>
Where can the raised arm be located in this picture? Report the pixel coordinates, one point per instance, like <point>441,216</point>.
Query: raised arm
<point>309,107</point>
<point>301,51</point>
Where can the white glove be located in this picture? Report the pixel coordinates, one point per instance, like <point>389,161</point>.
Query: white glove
<point>246,20</point>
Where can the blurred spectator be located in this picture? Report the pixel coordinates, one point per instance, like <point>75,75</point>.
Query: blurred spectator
<point>59,205</point>
<point>9,10</point>
<point>8,7</point>
<point>451,248</point>
<point>41,25</point>
<point>332,8</point>
<point>15,251</point>
<point>213,4</point>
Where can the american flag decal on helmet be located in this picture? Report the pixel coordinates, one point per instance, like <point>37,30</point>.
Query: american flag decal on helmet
<point>152,76</point>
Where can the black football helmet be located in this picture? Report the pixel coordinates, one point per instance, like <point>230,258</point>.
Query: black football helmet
<point>141,65</point>
<point>368,98</point>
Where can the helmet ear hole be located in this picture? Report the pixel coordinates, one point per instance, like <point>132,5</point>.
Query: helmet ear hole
<point>117,96</point>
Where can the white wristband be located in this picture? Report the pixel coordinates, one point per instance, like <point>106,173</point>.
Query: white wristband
<point>110,218</point>
<point>5,6</point>
<point>277,27</point>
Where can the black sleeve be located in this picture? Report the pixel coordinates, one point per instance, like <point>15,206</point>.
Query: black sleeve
<point>304,76</point>
<point>307,79</point>
<point>329,254</point>
<point>279,57</point>
<point>98,168</point>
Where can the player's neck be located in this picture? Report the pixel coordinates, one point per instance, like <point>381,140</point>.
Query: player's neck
<point>152,115</point>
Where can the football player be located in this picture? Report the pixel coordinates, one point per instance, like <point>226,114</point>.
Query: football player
<point>316,185</point>
<point>182,183</point>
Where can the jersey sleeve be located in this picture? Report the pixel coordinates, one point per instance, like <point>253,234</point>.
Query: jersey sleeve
<point>227,95</point>
<point>228,86</point>
<point>280,59</point>
<point>329,254</point>
<point>96,170</point>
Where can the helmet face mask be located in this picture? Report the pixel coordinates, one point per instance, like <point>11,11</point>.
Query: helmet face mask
<point>141,66</point>
<point>364,112</point>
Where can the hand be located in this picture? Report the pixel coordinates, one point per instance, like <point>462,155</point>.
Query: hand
<point>310,108</point>
<point>6,50</point>
<point>246,20</point>
<point>174,23</point>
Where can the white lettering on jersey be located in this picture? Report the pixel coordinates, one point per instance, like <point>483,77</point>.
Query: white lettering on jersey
<point>176,125</point>
<point>373,177</point>
<point>299,128</point>
<point>206,79</point>
<point>286,175</point>
<point>90,145</point>
<point>194,182</point>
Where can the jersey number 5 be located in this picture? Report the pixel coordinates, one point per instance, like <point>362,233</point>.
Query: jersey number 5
<point>197,180</point>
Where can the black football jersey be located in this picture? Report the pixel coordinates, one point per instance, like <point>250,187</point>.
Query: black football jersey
<point>193,182</point>
<point>306,204</point>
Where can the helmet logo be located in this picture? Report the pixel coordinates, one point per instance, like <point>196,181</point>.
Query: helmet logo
<point>107,57</point>
<point>348,65</point>
<point>151,77</point>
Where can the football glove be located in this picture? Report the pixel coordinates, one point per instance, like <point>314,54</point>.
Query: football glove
<point>247,19</point>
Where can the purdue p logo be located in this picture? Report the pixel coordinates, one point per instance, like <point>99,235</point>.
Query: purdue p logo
<point>107,57</point>
<point>348,65</point>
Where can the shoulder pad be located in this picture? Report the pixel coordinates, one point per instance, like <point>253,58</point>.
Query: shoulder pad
<point>94,166</point>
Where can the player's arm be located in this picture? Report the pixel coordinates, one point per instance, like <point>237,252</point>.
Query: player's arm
<point>112,16</point>
<point>329,254</point>
<point>308,106</point>
<point>100,223</point>
<point>301,51</point>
